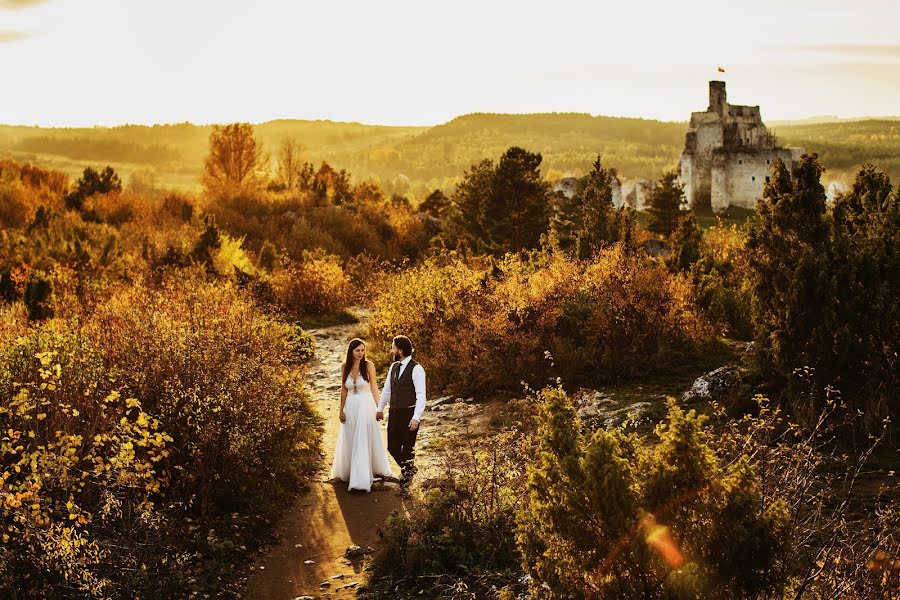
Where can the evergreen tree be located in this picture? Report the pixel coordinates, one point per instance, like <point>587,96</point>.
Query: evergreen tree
<point>502,208</point>
<point>788,252</point>
<point>611,516</point>
<point>435,205</point>
<point>588,221</point>
<point>685,242</point>
<point>866,269</point>
<point>466,224</point>
<point>92,182</point>
<point>665,201</point>
<point>518,211</point>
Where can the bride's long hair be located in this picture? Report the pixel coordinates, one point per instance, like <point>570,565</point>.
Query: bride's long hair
<point>348,362</point>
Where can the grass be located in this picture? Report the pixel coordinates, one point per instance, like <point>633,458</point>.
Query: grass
<point>737,215</point>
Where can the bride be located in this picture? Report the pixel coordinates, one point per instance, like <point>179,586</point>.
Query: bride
<point>360,455</point>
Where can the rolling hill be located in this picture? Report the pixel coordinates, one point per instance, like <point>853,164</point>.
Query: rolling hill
<point>414,160</point>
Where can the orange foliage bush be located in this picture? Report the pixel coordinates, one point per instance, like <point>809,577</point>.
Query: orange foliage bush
<point>23,189</point>
<point>481,329</point>
<point>316,285</point>
<point>117,208</point>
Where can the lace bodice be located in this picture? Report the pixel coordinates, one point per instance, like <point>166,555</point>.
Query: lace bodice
<point>356,386</point>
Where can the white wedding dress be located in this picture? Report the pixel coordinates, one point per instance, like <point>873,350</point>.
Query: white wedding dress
<point>360,455</point>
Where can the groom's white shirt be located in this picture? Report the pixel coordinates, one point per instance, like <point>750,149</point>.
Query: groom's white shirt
<point>418,377</point>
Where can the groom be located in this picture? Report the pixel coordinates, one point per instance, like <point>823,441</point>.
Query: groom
<point>404,388</point>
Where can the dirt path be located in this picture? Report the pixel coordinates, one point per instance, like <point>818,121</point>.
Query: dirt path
<point>329,519</point>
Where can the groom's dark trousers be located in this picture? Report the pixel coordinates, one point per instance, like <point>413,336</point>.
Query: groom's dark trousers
<point>402,441</point>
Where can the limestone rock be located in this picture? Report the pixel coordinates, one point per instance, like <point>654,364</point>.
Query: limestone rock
<point>712,384</point>
<point>441,401</point>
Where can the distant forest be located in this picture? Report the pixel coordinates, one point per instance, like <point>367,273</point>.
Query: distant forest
<point>413,161</point>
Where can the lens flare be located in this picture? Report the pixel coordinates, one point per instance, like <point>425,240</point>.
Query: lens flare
<point>660,539</point>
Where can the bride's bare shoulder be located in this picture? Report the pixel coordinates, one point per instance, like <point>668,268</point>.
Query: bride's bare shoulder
<point>370,366</point>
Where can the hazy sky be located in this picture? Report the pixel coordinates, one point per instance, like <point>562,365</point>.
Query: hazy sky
<point>86,62</point>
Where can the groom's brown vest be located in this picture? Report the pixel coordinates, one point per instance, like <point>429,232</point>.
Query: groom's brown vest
<point>403,390</point>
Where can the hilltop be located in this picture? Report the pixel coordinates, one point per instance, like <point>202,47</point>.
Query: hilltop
<point>413,160</point>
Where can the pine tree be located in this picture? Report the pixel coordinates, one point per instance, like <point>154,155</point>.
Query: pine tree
<point>589,221</point>
<point>788,252</point>
<point>502,208</point>
<point>866,269</point>
<point>665,201</point>
<point>685,242</point>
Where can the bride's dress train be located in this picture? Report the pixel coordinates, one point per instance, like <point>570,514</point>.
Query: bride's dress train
<point>360,455</point>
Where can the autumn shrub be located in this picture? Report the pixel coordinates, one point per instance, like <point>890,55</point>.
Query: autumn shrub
<point>24,189</point>
<point>482,327</point>
<point>369,277</point>
<point>721,280</point>
<point>460,542</point>
<point>81,464</point>
<point>117,208</point>
<point>296,224</point>
<point>225,380</point>
<point>79,259</point>
<point>316,285</point>
<point>179,206</point>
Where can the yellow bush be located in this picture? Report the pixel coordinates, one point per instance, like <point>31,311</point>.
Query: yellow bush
<point>80,464</point>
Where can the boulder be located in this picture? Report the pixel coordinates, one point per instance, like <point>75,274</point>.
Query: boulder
<point>712,384</point>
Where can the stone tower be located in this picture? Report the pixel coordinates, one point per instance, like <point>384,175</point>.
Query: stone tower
<point>727,154</point>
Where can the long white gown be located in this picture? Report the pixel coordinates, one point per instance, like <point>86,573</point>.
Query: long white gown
<point>360,455</point>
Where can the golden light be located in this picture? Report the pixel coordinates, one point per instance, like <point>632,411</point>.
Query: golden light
<point>660,539</point>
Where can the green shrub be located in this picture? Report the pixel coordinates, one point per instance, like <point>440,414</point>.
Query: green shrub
<point>459,543</point>
<point>721,280</point>
<point>610,516</point>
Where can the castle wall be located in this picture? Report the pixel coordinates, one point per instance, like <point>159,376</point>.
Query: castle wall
<point>617,198</point>
<point>685,176</point>
<point>709,135</point>
<point>739,177</point>
<point>634,193</point>
<point>719,192</point>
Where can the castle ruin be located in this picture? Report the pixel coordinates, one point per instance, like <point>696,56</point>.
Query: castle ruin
<point>727,154</point>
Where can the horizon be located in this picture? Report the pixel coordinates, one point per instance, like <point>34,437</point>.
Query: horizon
<point>106,63</point>
<point>811,120</point>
